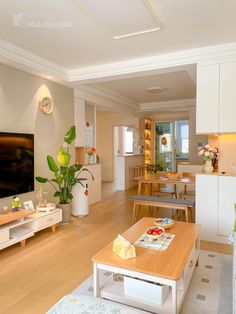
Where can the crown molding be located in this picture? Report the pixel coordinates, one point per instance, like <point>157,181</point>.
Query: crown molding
<point>184,57</point>
<point>106,99</point>
<point>183,104</point>
<point>27,61</point>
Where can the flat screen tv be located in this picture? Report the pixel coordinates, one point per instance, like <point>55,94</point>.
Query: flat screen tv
<point>16,163</point>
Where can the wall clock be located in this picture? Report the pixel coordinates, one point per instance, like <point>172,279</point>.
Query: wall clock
<point>46,105</point>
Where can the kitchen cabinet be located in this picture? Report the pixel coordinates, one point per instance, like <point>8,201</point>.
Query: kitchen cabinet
<point>216,98</point>
<point>206,206</point>
<point>227,97</point>
<point>227,199</point>
<point>215,199</point>
<point>207,108</point>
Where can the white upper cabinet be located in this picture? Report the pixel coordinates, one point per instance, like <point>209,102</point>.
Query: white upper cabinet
<point>227,98</point>
<point>216,98</point>
<point>207,109</point>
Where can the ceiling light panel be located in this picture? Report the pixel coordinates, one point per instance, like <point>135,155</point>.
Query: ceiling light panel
<point>120,18</point>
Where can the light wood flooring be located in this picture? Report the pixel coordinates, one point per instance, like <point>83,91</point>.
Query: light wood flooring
<point>34,277</point>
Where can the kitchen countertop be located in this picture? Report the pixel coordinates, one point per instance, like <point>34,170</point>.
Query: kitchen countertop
<point>130,155</point>
<point>226,174</point>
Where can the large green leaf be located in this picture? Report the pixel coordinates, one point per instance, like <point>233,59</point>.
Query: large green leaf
<point>63,157</point>
<point>86,170</point>
<point>41,179</point>
<point>63,170</point>
<point>51,164</point>
<point>70,135</point>
<point>59,178</point>
<point>74,168</point>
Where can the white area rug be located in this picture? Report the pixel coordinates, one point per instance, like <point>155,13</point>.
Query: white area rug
<point>210,290</point>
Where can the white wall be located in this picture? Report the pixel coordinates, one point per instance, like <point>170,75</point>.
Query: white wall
<point>105,123</point>
<point>20,93</point>
<point>226,144</point>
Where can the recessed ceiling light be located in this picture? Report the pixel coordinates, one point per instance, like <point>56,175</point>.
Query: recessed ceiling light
<point>49,77</point>
<point>155,89</point>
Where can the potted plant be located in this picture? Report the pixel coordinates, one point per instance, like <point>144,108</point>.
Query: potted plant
<point>65,175</point>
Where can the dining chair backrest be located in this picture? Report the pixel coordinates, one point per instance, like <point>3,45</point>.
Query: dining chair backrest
<point>189,175</point>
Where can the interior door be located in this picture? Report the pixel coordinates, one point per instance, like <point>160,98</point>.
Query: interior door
<point>164,146</point>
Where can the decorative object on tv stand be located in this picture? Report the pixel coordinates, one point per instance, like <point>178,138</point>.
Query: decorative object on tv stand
<point>5,209</point>
<point>65,175</point>
<point>42,205</point>
<point>210,155</point>
<point>91,151</point>
<point>15,204</point>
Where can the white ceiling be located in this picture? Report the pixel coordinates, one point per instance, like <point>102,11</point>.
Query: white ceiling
<point>81,43</point>
<point>177,85</point>
<point>75,35</point>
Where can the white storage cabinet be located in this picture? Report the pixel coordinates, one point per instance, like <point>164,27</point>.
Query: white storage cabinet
<point>215,199</point>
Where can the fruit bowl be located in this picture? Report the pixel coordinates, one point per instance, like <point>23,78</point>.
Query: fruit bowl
<point>165,223</point>
<point>173,175</point>
<point>153,233</point>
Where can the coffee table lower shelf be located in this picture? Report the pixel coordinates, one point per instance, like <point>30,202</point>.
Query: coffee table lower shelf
<point>113,290</point>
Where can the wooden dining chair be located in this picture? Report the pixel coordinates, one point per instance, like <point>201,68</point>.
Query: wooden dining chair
<point>187,193</point>
<point>166,190</point>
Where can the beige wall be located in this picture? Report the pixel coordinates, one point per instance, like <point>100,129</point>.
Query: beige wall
<point>105,123</point>
<point>194,139</point>
<point>227,150</point>
<point>20,93</point>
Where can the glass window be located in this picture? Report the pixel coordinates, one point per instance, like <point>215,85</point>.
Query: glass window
<point>182,138</point>
<point>129,142</point>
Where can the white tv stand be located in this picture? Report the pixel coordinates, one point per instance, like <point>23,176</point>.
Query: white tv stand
<point>19,230</point>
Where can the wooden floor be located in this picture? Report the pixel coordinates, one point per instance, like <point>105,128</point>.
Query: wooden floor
<point>35,277</point>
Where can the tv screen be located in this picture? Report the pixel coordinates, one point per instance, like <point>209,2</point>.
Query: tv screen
<point>16,163</point>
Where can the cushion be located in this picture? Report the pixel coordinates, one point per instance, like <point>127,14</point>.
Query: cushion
<point>162,200</point>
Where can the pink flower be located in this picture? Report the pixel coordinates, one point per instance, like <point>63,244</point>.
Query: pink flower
<point>200,153</point>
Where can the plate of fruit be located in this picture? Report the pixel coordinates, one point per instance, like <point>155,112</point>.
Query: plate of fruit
<point>165,223</point>
<point>153,233</point>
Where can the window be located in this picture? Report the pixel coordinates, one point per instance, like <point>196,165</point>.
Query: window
<point>129,141</point>
<point>182,138</point>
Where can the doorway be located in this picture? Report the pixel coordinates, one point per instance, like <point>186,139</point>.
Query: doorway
<point>164,146</point>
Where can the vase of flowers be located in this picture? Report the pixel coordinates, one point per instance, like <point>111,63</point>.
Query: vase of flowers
<point>91,151</point>
<point>210,156</point>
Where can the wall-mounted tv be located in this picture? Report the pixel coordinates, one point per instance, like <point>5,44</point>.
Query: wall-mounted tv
<point>16,163</point>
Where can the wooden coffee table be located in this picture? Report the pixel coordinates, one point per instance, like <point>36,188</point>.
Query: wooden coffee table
<point>173,267</point>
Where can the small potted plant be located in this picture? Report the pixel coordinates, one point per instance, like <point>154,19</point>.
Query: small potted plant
<point>65,175</point>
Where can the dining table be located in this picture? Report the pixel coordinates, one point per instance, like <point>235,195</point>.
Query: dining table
<point>164,178</point>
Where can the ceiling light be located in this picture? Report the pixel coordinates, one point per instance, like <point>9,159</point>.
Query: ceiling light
<point>49,77</point>
<point>155,89</point>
